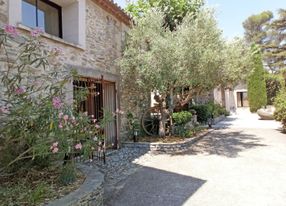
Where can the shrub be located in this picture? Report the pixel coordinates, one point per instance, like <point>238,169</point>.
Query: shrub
<point>133,124</point>
<point>256,84</point>
<point>203,112</point>
<point>68,174</point>
<point>182,118</point>
<point>37,125</point>
<point>280,105</point>
<point>180,130</point>
<point>273,86</point>
<point>217,110</point>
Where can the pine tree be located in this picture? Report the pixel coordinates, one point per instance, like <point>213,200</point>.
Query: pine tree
<point>270,35</point>
<point>275,52</point>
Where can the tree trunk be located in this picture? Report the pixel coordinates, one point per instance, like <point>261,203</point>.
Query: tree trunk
<point>171,110</point>
<point>222,96</point>
<point>162,122</point>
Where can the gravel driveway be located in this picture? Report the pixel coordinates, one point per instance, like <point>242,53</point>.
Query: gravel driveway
<point>241,163</point>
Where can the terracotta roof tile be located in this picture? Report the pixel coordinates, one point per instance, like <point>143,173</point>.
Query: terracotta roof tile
<point>113,8</point>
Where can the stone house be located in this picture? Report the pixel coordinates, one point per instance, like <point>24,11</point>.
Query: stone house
<point>91,34</point>
<point>232,98</point>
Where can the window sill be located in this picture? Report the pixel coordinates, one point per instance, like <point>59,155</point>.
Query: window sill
<point>51,37</point>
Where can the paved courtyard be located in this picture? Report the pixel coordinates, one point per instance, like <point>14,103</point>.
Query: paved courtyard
<point>241,163</point>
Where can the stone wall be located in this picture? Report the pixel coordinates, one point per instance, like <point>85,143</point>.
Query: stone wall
<point>105,38</point>
<point>4,11</point>
<point>168,148</point>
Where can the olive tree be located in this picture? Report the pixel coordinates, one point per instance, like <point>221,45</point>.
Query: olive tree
<point>176,64</point>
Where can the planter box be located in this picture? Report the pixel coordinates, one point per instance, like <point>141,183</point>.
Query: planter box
<point>167,147</point>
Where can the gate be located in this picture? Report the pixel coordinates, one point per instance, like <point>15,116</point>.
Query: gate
<point>101,95</point>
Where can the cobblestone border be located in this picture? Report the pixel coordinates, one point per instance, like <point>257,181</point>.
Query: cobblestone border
<point>168,147</point>
<point>90,193</point>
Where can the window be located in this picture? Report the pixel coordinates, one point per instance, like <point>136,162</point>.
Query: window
<point>43,14</point>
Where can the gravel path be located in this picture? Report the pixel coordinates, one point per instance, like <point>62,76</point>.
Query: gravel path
<point>243,164</point>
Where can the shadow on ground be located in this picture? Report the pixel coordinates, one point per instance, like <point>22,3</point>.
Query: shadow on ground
<point>149,186</point>
<point>226,123</point>
<point>224,143</point>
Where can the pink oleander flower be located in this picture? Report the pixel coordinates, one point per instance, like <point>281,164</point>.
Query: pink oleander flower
<point>20,90</point>
<point>73,121</point>
<point>61,115</point>
<point>55,144</point>
<point>55,150</point>
<point>57,102</point>
<point>60,125</point>
<point>54,147</point>
<point>4,110</point>
<point>94,120</point>
<point>36,32</point>
<point>9,29</point>
<point>118,111</point>
<point>97,126</point>
<point>66,117</point>
<point>78,146</point>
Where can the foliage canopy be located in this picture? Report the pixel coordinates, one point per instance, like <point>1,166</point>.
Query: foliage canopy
<point>269,33</point>
<point>174,10</point>
<point>194,56</point>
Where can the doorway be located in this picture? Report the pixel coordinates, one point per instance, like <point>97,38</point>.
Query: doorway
<point>242,99</point>
<point>101,95</point>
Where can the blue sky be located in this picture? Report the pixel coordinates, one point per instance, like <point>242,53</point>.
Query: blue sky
<point>231,13</point>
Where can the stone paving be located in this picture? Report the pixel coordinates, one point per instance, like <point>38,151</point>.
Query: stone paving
<point>242,164</point>
<point>120,164</point>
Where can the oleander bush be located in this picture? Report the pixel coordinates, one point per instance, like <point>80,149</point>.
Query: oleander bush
<point>38,126</point>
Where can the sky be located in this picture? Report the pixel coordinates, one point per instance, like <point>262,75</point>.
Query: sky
<point>231,13</point>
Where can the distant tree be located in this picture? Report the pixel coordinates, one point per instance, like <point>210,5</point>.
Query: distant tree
<point>275,48</point>
<point>256,27</point>
<point>237,64</point>
<point>256,83</point>
<point>174,10</point>
<point>269,33</point>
